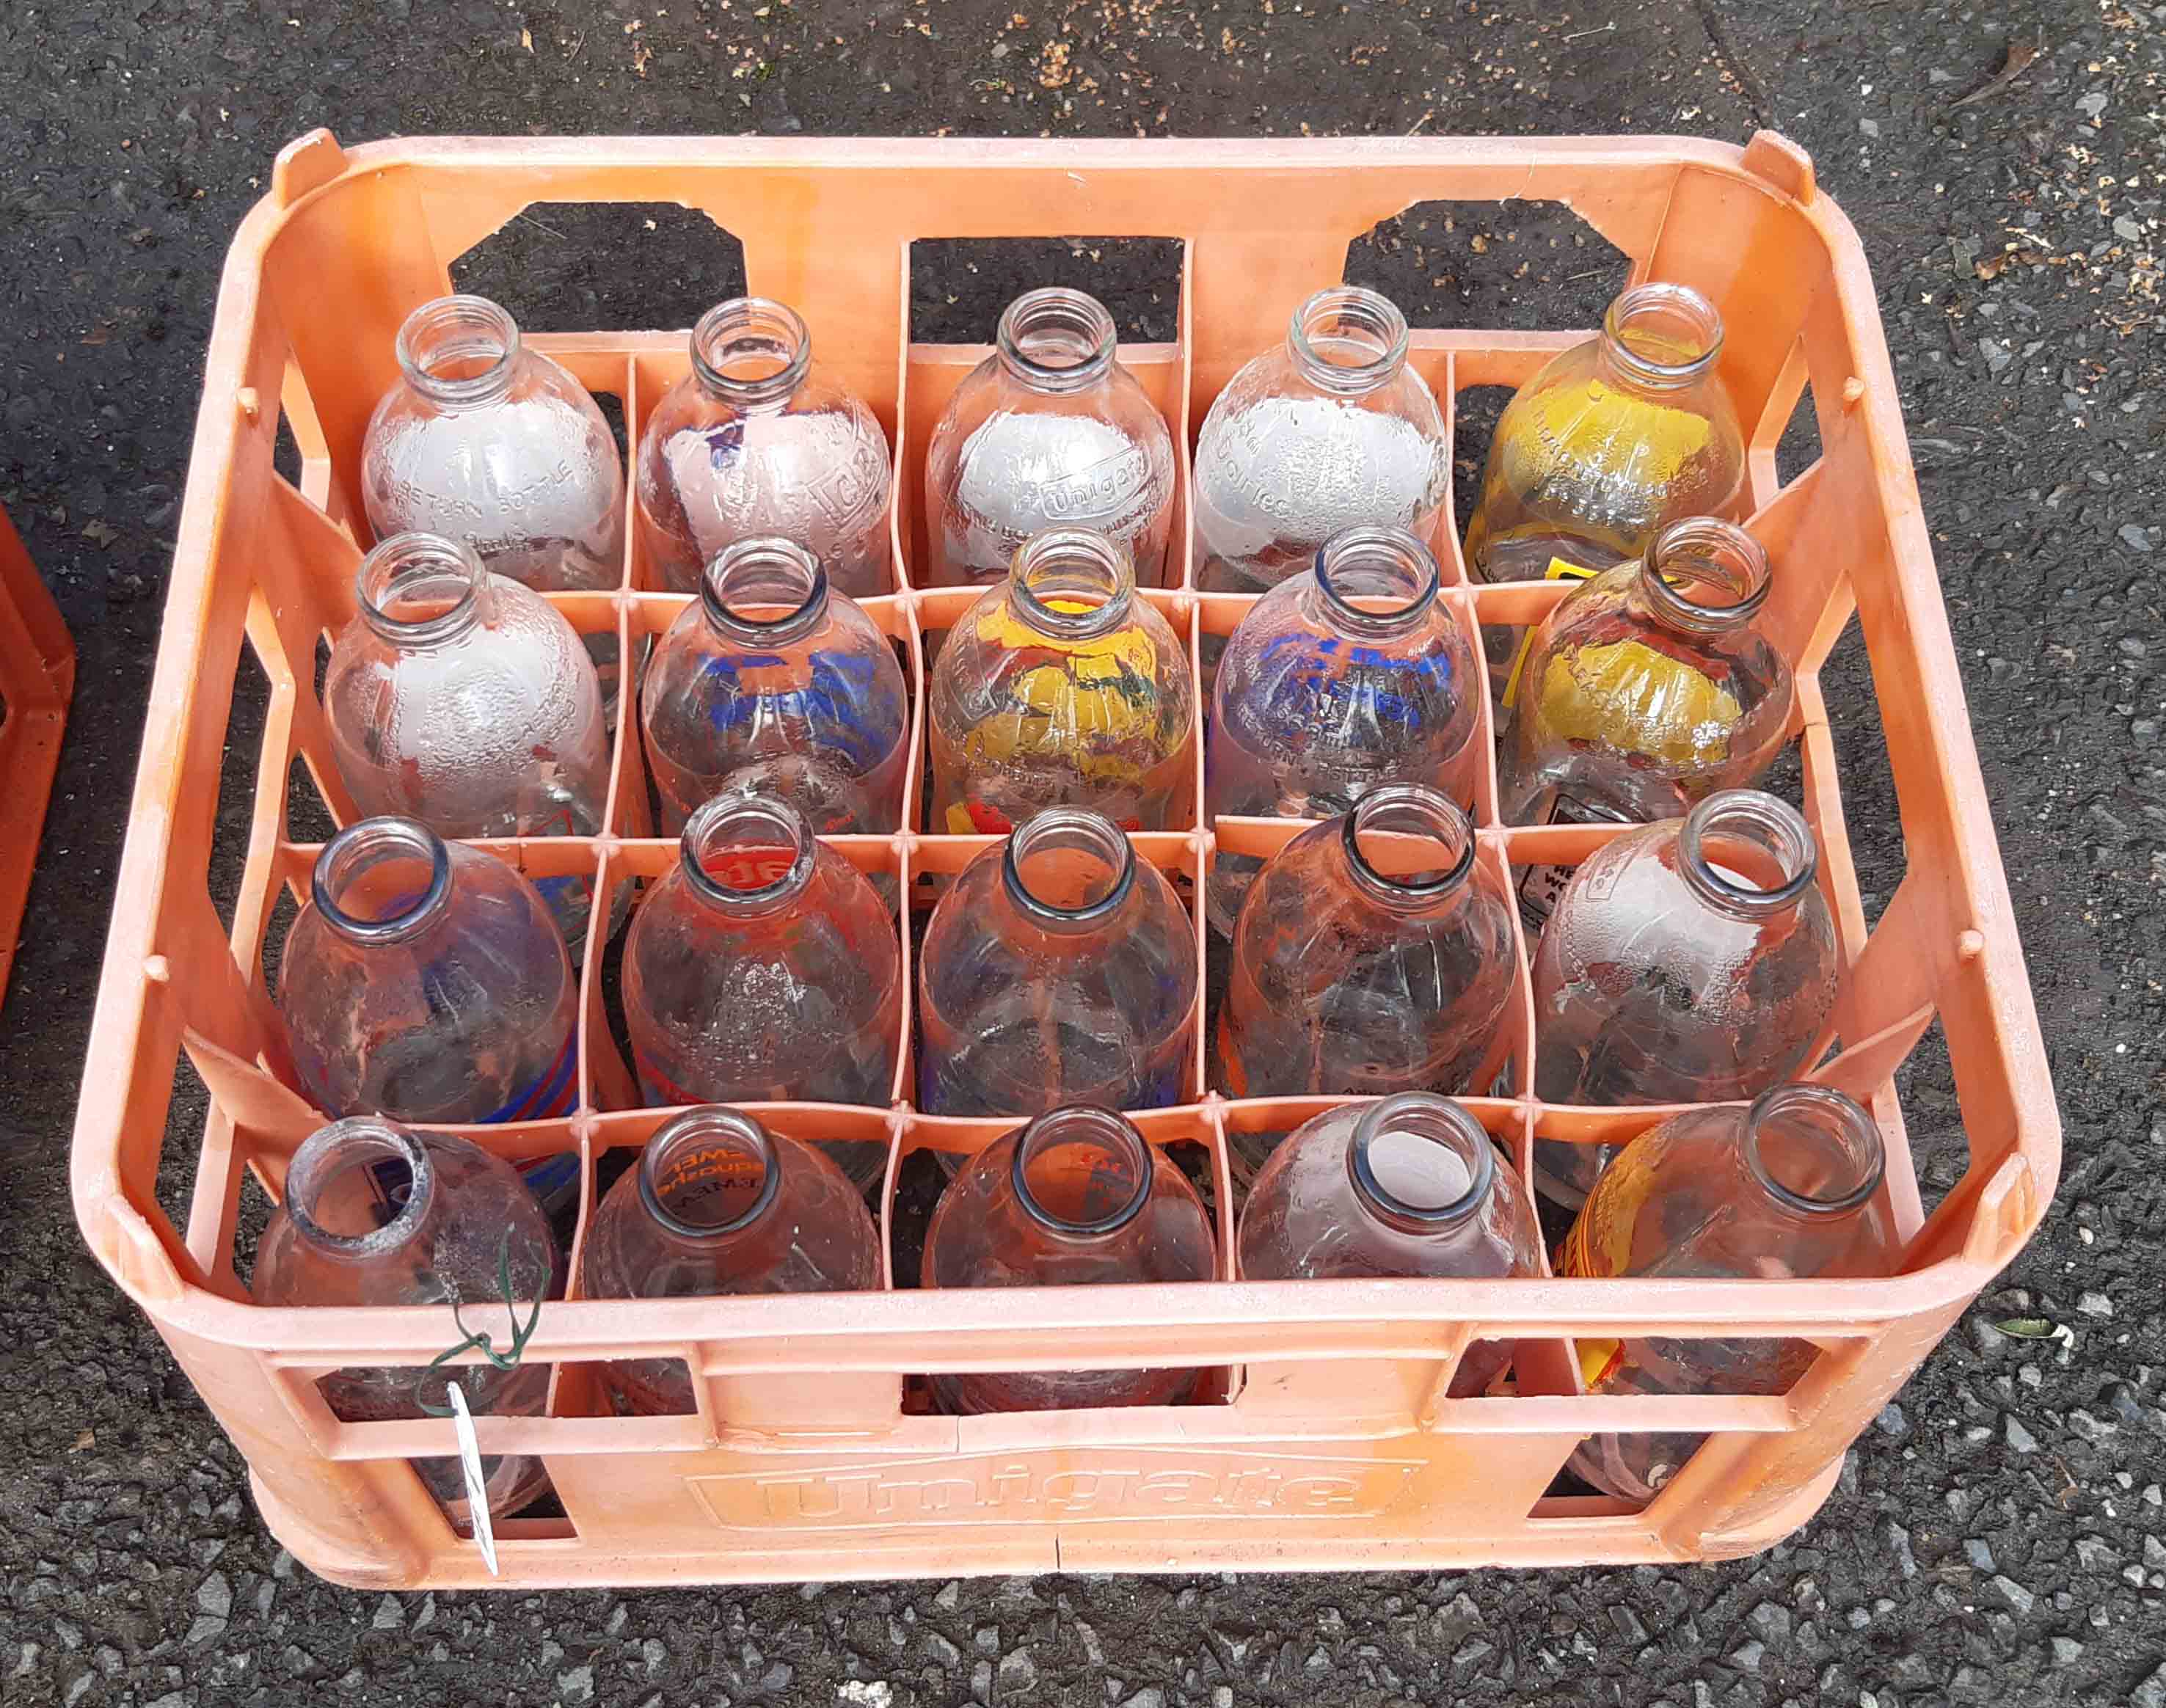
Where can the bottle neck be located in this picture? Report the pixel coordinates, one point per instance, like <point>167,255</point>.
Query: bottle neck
<point>418,590</point>
<point>459,352</point>
<point>1081,1173</point>
<point>746,855</point>
<point>340,1213</point>
<point>764,592</point>
<point>1372,583</point>
<point>1347,341</point>
<point>1071,583</point>
<point>1420,1163</point>
<point>1055,342</point>
<point>1068,869</point>
<point>1747,855</point>
<point>383,880</point>
<point>1703,576</point>
<point>751,352</point>
<point>711,1173</point>
<point>1814,1153</point>
<point>1408,847</point>
<point>1659,338</point>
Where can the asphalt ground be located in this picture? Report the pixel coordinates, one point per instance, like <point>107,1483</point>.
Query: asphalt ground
<point>1996,1536</point>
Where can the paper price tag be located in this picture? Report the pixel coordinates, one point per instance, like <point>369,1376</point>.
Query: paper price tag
<point>476,1486</point>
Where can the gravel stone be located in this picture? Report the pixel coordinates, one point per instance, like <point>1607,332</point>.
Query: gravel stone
<point>1978,1553</point>
<point>2020,1598</point>
<point>2152,1692</point>
<point>2019,1438</point>
<point>1017,1674</point>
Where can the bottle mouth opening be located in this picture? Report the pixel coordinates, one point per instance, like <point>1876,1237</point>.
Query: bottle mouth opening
<point>765,588</point>
<point>751,349</point>
<point>1663,334</point>
<point>1377,581</point>
<point>1814,1150</point>
<point>1747,853</point>
<point>1066,867</point>
<point>1408,844</point>
<point>1348,340</point>
<point>1421,1160</point>
<point>1082,1171</point>
<point>709,1172</point>
<point>1073,582</point>
<point>419,587</point>
<point>746,851</point>
<point>380,879</point>
<point>1056,339</point>
<point>458,349</point>
<point>343,1184</point>
<point>1704,575</point>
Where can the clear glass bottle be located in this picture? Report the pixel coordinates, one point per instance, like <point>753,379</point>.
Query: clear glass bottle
<point>764,968</point>
<point>1692,961</point>
<point>466,700</point>
<point>1059,687</point>
<point>1331,431</point>
<point>1612,439</point>
<point>1048,431</point>
<point>1077,1198</point>
<point>756,440</point>
<point>773,683</point>
<point>1057,969</point>
<point>1346,675</point>
<point>1373,955</point>
<point>494,445</point>
<point>426,981</point>
<point>488,442</point>
<point>1409,1185</point>
<point>377,1214</point>
<point>1788,1189</point>
<point>717,1204</point>
<point>1648,688</point>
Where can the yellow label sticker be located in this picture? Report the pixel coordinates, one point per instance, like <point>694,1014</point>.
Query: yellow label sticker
<point>1559,570</point>
<point>1598,1359</point>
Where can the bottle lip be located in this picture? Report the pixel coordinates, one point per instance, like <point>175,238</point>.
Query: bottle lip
<point>1441,1122</point>
<point>1856,1145</point>
<point>756,330</point>
<point>1056,339</point>
<point>709,1123</point>
<point>359,849</point>
<point>1702,575</point>
<point>765,572</point>
<point>1086,1122</point>
<point>1055,827</point>
<point>1768,823</point>
<point>354,1143</point>
<point>1426,812</point>
<point>458,332</point>
<point>425,568</point>
<point>1662,335</point>
<point>734,818</point>
<point>1343,315</point>
<point>1400,565</point>
<point>1079,567</point>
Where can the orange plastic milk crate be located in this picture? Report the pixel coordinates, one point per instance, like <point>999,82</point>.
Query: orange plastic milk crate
<point>1324,1436</point>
